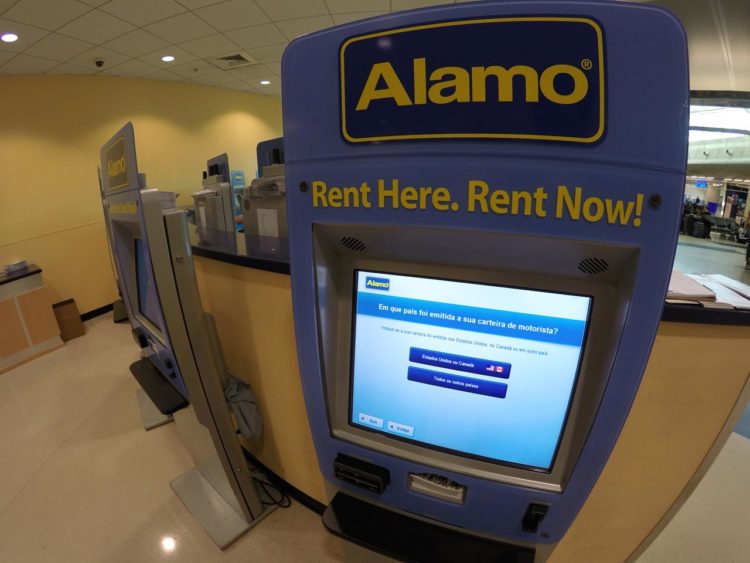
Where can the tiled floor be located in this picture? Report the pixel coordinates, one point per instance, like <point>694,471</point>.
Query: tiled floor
<point>702,256</point>
<point>711,527</point>
<point>80,480</point>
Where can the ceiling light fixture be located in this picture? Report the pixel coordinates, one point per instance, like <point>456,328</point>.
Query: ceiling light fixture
<point>167,58</point>
<point>9,37</point>
<point>265,82</point>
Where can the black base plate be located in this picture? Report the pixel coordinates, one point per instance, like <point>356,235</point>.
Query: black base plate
<point>166,398</point>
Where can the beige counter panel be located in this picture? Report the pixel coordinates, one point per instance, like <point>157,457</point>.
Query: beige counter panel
<point>693,382</point>
<point>253,313</point>
<point>12,337</point>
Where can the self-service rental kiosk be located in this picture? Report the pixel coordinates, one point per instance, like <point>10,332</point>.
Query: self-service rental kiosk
<point>181,357</point>
<point>483,210</point>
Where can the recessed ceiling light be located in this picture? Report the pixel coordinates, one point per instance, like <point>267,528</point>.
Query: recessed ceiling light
<point>709,177</point>
<point>167,58</point>
<point>265,82</point>
<point>9,37</point>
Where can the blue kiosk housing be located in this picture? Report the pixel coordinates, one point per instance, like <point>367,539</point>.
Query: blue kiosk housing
<point>129,222</point>
<point>484,203</point>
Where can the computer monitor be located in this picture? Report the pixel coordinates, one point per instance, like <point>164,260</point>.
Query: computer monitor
<point>478,370</point>
<point>270,152</point>
<point>148,301</point>
<point>475,368</point>
<point>219,166</point>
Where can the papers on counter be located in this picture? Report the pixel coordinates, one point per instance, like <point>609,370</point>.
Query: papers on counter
<point>737,286</point>
<point>709,290</point>
<point>684,288</point>
<point>725,297</point>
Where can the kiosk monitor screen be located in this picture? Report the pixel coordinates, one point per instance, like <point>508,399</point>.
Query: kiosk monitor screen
<point>477,370</point>
<point>148,303</point>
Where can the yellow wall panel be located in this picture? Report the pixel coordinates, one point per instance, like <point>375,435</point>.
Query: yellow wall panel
<point>51,129</point>
<point>75,263</point>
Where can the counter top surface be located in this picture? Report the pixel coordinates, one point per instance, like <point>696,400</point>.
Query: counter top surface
<point>29,270</point>
<point>239,255</point>
<point>236,248</point>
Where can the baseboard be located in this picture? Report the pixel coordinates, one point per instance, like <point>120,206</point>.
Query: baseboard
<point>96,313</point>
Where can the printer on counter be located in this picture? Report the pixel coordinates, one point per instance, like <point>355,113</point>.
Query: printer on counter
<point>265,216</point>
<point>214,214</point>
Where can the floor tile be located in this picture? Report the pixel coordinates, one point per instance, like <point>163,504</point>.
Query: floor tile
<point>88,484</point>
<point>711,527</point>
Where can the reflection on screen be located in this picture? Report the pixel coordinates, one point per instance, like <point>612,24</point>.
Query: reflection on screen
<point>485,371</point>
<point>148,301</point>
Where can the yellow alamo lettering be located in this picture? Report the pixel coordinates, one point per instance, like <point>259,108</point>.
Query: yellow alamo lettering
<point>373,283</point>
<point>456,84</point>
<point>115,167</point>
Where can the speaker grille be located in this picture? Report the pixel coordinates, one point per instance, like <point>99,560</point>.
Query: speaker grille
<point>354,244</point>
<point>593,266</point>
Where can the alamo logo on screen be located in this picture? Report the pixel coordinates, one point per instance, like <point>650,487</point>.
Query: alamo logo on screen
<point>382,284</point>
<point>538,78</point>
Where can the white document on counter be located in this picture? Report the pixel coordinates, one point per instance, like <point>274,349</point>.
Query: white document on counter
<point>737,286</point>
<point>268,223</point>
<point>725,297</point>
<point>684,287</point>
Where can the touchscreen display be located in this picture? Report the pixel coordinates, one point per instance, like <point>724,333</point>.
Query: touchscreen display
<point>148,302</point>
<point>480,370</point>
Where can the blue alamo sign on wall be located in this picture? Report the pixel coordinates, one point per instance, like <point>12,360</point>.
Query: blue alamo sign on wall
<point>538,78</point>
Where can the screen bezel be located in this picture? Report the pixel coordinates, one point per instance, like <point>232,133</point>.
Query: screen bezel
<point>505,463</point>
<point>147,272</point>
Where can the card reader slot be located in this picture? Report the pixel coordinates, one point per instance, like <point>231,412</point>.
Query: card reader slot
<point>361,473</point>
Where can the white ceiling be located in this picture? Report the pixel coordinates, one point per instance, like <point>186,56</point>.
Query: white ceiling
<point>130,36</point>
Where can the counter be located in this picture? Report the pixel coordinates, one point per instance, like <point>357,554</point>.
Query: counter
<point>692,393</point>
<point>28,327</point>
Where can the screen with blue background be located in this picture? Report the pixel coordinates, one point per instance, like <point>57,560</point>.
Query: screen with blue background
<point>148,301</point>
<point>482,370</point>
